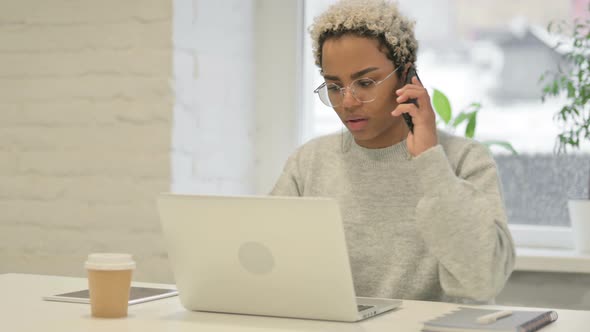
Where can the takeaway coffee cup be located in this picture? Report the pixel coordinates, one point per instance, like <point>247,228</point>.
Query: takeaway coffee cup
<point>109,282</point>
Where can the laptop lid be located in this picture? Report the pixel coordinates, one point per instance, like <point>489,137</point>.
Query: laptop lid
<point>274,256</point>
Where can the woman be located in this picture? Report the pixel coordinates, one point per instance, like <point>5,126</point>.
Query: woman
<point>422,210</point>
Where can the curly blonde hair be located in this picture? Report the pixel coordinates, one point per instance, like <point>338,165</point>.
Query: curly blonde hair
<point>378,19</point>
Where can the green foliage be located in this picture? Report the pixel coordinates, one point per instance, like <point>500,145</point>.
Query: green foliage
<point>442,107</point>
<point>573,82</point>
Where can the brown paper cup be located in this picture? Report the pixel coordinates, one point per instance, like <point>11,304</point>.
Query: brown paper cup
<point>109,282</point>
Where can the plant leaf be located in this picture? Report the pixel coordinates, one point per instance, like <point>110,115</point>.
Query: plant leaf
<point>442,106</point>
<point>571,90</point>
<point>470,129</point>
<point>460,118</point>
<point>474,107</point>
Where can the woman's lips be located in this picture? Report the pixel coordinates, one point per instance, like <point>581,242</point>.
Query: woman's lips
<point>357,124</point>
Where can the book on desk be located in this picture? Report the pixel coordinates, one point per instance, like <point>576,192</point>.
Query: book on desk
<point>481,320</point>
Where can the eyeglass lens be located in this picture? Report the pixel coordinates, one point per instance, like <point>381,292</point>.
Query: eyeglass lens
<point>363,90</point>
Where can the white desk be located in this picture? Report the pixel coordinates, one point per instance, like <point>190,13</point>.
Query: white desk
<point>21,309</point>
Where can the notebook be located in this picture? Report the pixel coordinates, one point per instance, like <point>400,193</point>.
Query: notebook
<point>466,320</point>
<point>259,255</point>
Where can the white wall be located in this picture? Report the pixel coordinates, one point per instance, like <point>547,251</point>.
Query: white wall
<point>236,83</point>
<point>214,117</point>
<point>278,54</point>
<point>85,112</point>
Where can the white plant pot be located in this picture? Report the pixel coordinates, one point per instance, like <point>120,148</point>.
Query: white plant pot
<point>580,218</point>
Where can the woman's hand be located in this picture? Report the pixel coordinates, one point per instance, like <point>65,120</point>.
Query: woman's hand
<point>424,136</point>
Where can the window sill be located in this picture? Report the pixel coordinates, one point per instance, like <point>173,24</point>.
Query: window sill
<point>551,260</point>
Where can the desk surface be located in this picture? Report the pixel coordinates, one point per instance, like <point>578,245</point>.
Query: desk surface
<point>22,309</point>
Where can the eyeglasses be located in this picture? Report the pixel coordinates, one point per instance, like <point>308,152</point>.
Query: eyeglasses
<point>363,90</point>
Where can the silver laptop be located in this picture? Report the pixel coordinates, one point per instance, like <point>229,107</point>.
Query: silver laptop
<point>271,256</point>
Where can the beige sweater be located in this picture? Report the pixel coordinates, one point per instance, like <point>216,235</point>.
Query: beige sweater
<point>431,227</point>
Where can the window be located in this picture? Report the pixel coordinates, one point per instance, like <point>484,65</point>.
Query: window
<point>491,52</point>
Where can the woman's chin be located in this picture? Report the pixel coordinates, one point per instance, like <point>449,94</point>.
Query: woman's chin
<point>364,139</point>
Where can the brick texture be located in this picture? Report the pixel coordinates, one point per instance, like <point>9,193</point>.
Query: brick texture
<point>86,111</point>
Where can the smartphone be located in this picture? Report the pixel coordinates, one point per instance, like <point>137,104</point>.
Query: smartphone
<point>136,295</point>
<point>407,117</point>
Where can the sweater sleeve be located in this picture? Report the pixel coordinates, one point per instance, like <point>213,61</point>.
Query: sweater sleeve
<point>289,182</point>
<point>462,220</point>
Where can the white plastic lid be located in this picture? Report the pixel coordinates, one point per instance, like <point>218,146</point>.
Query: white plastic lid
<point>110,261</point>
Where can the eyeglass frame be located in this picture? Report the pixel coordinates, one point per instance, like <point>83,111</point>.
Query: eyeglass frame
<point>349,87</point>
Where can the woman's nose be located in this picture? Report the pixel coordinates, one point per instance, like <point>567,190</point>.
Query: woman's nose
<point>348,98</point>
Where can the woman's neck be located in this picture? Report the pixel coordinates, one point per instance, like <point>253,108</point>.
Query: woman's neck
<point>396,133</point>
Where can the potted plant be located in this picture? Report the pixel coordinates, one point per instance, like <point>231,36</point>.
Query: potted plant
<point>443,108</point>
<point>573,119</point>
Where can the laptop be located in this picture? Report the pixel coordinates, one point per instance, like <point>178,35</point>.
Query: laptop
<point>263,255</point>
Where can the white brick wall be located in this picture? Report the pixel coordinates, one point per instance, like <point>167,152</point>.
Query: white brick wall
<point>85,132</point>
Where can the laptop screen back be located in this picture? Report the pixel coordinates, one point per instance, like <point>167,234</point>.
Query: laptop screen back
<point>277,256</point>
